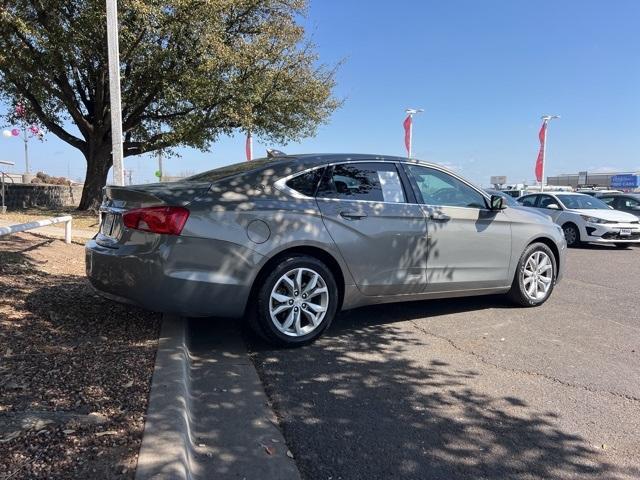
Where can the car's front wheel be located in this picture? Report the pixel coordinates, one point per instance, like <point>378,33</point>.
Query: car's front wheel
<point>571,234</point>
<point>535,276</point>
<point>296,302</point>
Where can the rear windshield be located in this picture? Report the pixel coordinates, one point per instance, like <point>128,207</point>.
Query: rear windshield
<point>582,202</point>
<point>231,170</point>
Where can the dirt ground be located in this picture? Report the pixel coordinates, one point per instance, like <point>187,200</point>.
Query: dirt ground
<point>75,369</point>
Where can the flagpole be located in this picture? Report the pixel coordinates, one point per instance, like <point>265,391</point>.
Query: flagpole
<point>410,134</point>
<point>249,146</point>
<point>411,112</point>
<point>546,119</point>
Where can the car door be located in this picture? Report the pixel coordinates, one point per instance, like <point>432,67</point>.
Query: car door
<point>469,245</point>
<point>381,237</point>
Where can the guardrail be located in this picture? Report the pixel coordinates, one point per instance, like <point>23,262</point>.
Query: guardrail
<point>41,223</point>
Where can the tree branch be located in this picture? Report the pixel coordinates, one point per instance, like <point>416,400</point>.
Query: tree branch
<point>44,118</point>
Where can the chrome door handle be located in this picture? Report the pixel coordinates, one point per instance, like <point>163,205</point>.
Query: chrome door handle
<point>351,215</point>
<point>439,217</point>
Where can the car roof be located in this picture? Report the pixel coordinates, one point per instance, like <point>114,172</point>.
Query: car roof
<point>311,159</point>
<point>622,194</point>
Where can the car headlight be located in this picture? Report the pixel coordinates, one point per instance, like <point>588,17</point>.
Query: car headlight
<point>589,219</point>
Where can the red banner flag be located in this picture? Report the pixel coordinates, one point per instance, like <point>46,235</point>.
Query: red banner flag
<point>248,147</point>
<point>407,134</point>
<point>542,135</point>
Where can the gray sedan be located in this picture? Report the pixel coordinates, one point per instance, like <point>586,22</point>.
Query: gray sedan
<point>287,242</point>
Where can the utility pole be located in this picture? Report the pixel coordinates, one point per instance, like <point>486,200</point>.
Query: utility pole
<point>114,91</point>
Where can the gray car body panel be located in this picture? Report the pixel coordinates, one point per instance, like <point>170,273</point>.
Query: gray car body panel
<point>238,224</point>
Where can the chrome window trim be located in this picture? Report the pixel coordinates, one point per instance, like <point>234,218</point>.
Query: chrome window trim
<point>281,183</point>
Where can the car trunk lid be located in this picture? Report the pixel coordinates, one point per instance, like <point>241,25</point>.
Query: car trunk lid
<point>138,196</point>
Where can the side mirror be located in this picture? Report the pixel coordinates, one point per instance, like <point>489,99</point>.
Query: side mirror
<point>497,202</point>
<point>553,206</point>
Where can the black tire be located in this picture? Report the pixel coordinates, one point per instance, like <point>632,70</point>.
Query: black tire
<point>623,245</point>
<point>518,294</point>
<point>260,318</point>
<point>571,234</point>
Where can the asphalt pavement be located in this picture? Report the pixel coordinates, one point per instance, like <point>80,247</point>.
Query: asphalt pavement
<point>472,388</point>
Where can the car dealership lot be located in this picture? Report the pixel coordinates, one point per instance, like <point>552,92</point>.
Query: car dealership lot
<point>472,388</point>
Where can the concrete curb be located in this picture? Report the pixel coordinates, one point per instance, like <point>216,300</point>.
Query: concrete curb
<point>208,415</point>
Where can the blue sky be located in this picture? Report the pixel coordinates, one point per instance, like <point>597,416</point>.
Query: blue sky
<point>484,71</point>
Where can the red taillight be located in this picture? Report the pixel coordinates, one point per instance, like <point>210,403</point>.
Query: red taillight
<point>169,220</point>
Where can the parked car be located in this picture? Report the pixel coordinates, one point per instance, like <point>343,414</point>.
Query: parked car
<point>595,192</point>
<point>289,241</point>
<point>625,202</point>
<point>584,218</point>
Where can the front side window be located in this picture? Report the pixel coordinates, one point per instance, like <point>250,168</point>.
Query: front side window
<point>608,200</point>
<point>375,182</point>
<point>628,202</point>
<point>528,201</point>
<point>439,188</point>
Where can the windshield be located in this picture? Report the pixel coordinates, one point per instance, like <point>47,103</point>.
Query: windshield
<point>582,202</point>
<point>230,170</point>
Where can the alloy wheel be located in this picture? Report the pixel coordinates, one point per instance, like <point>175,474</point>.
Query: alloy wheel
<point>537,275</point>
<point>571,235</point>
<point>298,302</point>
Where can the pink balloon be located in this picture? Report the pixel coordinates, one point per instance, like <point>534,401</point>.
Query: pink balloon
<point>15,132</point>
<point>34,129</point>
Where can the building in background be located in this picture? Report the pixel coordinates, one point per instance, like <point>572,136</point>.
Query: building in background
<point>618,180</point>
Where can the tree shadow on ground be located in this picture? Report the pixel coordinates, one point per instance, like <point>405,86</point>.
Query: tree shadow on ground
<point>72,366</point>
<point>360,403</point>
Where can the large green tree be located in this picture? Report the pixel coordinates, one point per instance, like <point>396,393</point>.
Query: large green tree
<point>191,70</point>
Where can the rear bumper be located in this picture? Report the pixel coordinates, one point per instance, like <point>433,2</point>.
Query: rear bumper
<point>185,276</point>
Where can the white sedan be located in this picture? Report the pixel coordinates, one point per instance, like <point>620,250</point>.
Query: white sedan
<point>586,219</point>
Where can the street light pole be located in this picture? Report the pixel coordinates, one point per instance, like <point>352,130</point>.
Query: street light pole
<point>114,91</point>
<point>546,119</point>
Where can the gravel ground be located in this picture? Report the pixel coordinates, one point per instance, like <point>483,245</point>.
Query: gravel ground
<point>75,369</point>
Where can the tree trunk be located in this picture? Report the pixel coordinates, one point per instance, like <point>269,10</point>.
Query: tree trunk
<point>99,162</point>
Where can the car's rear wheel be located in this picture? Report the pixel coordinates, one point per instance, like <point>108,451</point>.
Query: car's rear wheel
<point>296,302</point>
<point>535,276</point>
<point>571,234</point>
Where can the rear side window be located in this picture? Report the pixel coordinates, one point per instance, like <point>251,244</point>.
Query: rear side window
<point>376,182</point>
<point>546,200</point>
<point>608,200</point>
<point>307,182</point>
<point>528,201</point>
